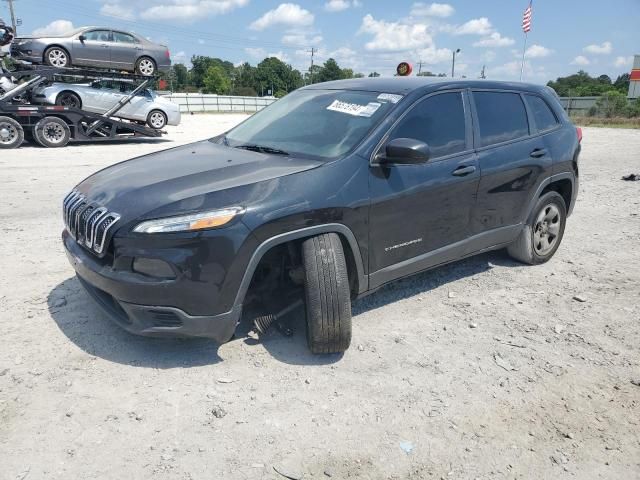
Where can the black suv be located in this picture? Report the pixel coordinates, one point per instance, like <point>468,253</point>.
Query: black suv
<point>329,193</point>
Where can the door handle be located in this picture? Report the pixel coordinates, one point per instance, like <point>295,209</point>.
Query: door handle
<point>539,152</point>
<point>464,170</point>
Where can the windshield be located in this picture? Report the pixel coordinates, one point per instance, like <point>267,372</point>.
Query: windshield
<point>319,123</point>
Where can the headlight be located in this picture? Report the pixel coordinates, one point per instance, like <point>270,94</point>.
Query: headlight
<point>190,223</point>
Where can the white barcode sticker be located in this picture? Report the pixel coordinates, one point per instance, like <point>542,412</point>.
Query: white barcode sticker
<point>354,109</point>
<point>389,97</point>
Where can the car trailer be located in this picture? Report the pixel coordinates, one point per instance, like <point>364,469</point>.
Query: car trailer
<point>56,126</point>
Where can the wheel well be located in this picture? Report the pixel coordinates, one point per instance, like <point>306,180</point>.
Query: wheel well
<point>71,92</point>
<point>283,263</point>
<point>563,187</point>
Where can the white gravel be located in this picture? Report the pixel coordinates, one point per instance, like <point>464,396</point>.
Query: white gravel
<point>539,387</point>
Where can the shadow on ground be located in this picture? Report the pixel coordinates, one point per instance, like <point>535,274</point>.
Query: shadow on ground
<point>81,320</point>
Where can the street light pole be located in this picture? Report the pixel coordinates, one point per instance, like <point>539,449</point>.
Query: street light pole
<point>453,64</point>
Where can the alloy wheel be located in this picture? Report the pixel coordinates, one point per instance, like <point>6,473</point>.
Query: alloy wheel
<point>546,229</point>
<point>157,120</point>
<point>146,67</point>
<point>58,58</point>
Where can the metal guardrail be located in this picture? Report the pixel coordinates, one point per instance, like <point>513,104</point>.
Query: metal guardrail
<point>198,102</point>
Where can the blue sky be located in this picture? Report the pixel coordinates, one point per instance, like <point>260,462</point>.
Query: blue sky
<point>369,35</point>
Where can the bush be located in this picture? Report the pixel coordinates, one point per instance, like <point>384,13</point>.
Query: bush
<point>593,111</point>
<point>612,103</point>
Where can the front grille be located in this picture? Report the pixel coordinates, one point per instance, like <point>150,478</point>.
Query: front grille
<point>88,222</point>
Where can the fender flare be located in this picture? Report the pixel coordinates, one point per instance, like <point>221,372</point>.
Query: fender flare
<point>264,247</point>
<point>545,183</point>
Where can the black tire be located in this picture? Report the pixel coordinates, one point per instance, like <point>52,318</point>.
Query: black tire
<point>327,294</point>
<point>57,57</point>
<point>52,132</point>
<point>69,99</point>
<point>11,133</point>
<point>542,235</point>
<point>146,67</point>
<point>157,119</point>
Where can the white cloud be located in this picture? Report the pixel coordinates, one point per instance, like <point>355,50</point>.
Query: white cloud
<point>395,36</point>
<point>477,26</point>
<point>185,10</point>
<point>494,40</point>
<point>488,56</point>
<point>57,27</point>
<point>117,10</point>
<point>538,51</point>
<point>623,62</point>
<point>605,49</point>
<point>289,14</point>
<point>580,60</point>
<point>441,10</point>
<point>301,38</point>
<point>432,55</point>
<point>511,71</point>
<point>256,52</point>
<point>340,5</point>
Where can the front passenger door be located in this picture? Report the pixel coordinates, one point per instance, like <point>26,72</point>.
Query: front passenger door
<point>94,50</point>
<point>418,209</point>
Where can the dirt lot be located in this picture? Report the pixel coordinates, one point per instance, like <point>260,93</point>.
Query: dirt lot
<point>481,369</point>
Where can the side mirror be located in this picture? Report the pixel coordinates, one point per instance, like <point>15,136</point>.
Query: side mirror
<point>405,151</point>
<point>82,38</point>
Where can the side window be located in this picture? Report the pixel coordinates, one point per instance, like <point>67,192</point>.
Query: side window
<point>439,121</point>
<point>98,35</point>
<point>542,114</point>
<point>123,37</point>
<point>502,117</point>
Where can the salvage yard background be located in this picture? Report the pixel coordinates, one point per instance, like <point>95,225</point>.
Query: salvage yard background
<point>481,369</point>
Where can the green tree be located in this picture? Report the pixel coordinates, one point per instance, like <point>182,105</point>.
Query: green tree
<point>622,83</point>
<point>612,103</point>
<point>581,84</point>
<point>216,80</point>
<point>330,71</point>
<point>180,77</point>
<point>275,75</point>
<point>373,75</point>
<point>201,66</point>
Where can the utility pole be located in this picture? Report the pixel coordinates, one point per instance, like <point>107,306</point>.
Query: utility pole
<point>420,63</point>
<point>453,64</point>
<point>313,52</point>
<point>14,23</point>
<point>482,74</point>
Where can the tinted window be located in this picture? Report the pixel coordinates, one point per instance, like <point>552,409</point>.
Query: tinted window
<point>502,117</point>
<point>542,114</point>
<point>123,37</point>
<point>439,121</point>
<point>98,35</point>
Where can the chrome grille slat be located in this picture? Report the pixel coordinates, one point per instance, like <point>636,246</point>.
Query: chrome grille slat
<point>88,223</point>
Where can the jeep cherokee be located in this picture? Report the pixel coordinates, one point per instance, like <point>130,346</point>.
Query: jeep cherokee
<point>333,191</point>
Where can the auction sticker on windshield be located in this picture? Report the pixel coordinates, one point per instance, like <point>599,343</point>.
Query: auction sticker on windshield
<point>354,109</point>
<point>389,97</point>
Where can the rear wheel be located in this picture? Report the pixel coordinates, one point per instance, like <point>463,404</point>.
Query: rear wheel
<point>146,66</point>
<point>57,57</point>
<point>52,132</point>
<point>541,237</point>
<point>11,133</point>
<point>157,119</point>
<point>69,99</point>
<point>327,294</point>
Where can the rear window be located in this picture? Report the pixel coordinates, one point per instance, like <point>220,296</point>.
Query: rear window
<point>502,117</point>
<point>542,114</point>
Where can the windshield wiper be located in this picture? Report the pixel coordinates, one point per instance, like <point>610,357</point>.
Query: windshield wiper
<point>262,149</point>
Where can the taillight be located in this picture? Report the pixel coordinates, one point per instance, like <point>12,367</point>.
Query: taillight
<point>579,131</point>
<point>167,54</point>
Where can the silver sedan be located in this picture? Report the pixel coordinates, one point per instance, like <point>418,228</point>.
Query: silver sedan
<point>95,47</point>
<point>101,95</point>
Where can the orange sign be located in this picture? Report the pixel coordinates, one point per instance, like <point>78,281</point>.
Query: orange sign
<point>404,69</point>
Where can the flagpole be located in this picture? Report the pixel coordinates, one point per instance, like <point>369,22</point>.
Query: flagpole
<point>524,51</point>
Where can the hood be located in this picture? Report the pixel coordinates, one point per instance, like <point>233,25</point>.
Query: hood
<point>180,179</point>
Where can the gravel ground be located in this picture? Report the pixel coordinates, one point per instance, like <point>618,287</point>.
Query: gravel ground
<point>481,369</point>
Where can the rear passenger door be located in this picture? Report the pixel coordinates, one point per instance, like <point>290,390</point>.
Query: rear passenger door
<point>124,51</point>
<point>513,159</point>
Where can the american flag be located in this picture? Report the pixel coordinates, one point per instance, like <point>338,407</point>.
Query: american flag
<point>526,19</point>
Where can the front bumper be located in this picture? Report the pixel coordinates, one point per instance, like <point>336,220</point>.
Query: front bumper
<point>140,305</point>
